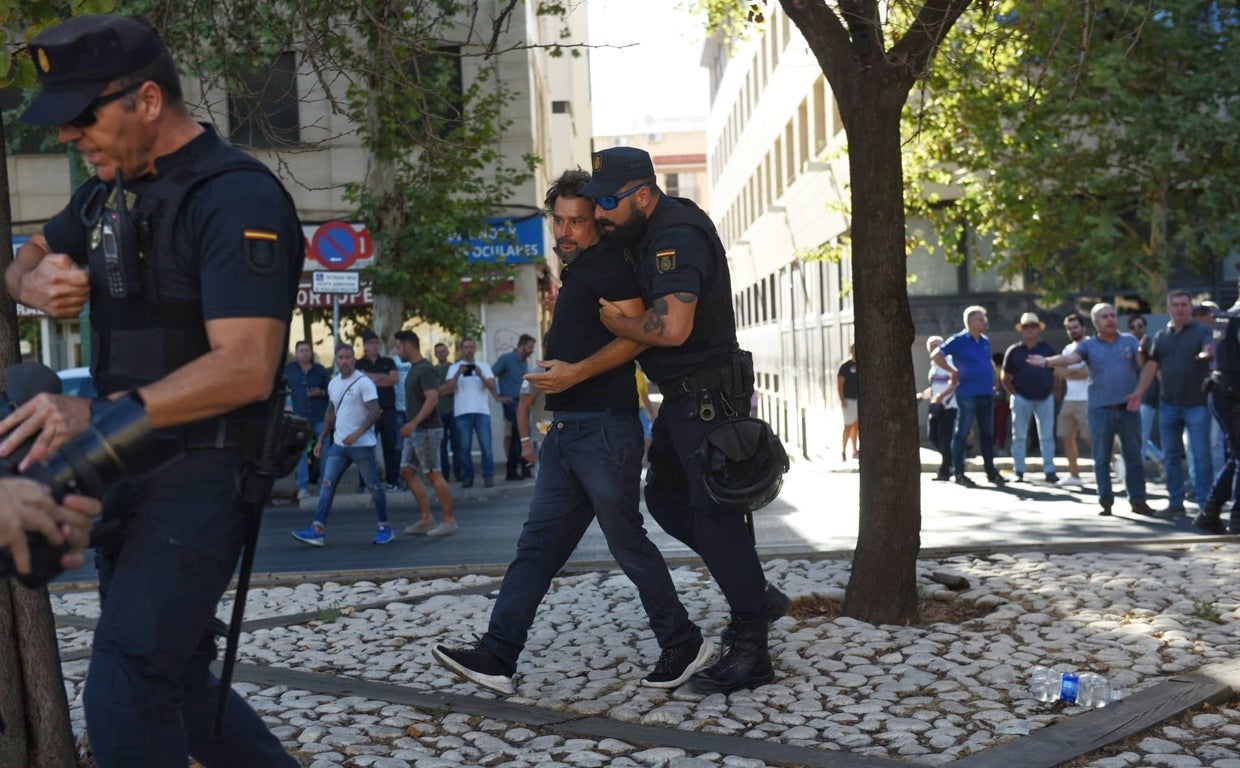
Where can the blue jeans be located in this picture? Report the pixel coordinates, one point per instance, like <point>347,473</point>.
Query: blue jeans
<point>336,462</point>
<point>589,467</point>
<point>150,695</point>
<point>1043,410</point>
<point>1104,425</point>
<point>1148,414</point>
<point>466,425</point>
<point>1173,420</point>
<point>970,409</point>
<point>303,464</point>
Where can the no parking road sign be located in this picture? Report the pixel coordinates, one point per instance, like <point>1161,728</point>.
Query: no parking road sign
<point>337,245</point>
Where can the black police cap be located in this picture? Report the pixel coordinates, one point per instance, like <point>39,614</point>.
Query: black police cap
<point>75,61</point>
<point>615,167</point>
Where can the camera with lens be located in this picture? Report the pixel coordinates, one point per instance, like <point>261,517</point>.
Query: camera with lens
<point>468,369</point>
<point>119,442</point>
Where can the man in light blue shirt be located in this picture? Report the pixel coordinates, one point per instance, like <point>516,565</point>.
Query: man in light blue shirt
<point>1114,367</point>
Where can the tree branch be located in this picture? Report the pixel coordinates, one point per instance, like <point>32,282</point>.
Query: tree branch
<point>933,21</point>
<point>497,28</point>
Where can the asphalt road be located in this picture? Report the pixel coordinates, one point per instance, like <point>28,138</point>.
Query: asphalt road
<point>816,513</point>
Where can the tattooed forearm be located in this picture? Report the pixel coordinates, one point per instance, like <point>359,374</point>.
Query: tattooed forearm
<point>654,317</point>
<point>685,297</point>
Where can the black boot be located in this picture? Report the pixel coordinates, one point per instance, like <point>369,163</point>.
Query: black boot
<point>775,606</point>
<point>1208,519</point>
<point>746,664</point>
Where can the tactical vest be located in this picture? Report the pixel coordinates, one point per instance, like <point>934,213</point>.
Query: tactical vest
<point>714,309</point>
<point>139,331</point>
<point>1226,374</point>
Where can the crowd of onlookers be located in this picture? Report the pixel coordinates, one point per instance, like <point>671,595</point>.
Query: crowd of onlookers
<point>404,419</point>
<point>1103,390</point>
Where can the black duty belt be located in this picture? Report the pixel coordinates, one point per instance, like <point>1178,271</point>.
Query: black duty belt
<point>712,377</point>
<point>221,433</point>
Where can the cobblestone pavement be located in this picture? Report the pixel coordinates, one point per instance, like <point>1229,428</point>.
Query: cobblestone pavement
<point>919,695</point>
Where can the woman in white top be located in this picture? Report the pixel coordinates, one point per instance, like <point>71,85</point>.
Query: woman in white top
<point>942,422</point>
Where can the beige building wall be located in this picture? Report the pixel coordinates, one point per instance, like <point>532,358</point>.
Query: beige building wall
<point>679,155</point>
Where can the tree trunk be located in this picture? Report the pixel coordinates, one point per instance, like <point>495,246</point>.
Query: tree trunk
<point>882,585</point>
<point>34,712</point>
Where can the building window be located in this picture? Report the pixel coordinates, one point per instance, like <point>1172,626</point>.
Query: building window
<point>672,183</point>
<point>262,111</point>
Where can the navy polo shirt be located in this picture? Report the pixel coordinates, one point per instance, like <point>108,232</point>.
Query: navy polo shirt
<point>209,263</point>
<point>387,395</point>
<point>1029,382</point>
<point>1181,372</point>
<point>972,358</point>
<point>300,383</point>
<point>692,267</point>
<point>576,331</point>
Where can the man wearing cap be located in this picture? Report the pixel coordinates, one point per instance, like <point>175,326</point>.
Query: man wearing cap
<point>194,253</point>
<point>1031,388</point>
<point>385,375</point>
<point>693,356</point>
<point>591,467</point>
<point>1179,356</point>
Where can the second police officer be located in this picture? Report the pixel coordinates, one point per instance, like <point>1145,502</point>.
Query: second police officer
<point>194,253</point>
<point>1225,405</point>
<point>694,358</point>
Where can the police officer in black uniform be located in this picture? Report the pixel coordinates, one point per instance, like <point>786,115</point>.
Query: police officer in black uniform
<point>1225,405</point>
<point>704,377</point>
<point>189,252</point>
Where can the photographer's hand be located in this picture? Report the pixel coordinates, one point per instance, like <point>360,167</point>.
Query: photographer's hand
<point>53,418</point>
<point>27,507</point>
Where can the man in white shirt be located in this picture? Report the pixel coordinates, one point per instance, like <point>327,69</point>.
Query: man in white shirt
<point>469,381</point>
<point>1073,420</point>
<point>352,410</point>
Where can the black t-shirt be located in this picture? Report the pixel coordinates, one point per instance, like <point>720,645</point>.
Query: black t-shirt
<point>852,386</point>
<point>681,257</point>
<point>420,378</point>
<point>387,395</point>
<point>576,331</point>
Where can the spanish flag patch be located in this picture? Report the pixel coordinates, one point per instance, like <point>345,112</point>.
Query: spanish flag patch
<point>260,250</point>
<point>665,260</point>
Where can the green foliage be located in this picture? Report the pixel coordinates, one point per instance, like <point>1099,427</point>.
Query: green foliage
<point>1207,610</point>
<point>418,82</point>
<point>1092,144</point>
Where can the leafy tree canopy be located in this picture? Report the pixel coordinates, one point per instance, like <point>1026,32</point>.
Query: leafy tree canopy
<point>1093,144</point>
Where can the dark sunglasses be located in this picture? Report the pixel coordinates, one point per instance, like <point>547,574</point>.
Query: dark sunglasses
<point>88,117</point>
<point>609,202</point>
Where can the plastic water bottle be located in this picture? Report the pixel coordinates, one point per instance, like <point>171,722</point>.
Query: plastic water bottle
<point>1087,689</point>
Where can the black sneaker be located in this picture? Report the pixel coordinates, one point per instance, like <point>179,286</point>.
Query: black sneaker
<point>1140,507</point>
<point>1020,477</point>
<point>965,481</point>
<point>675,665</point>
<point>1052,478</point>
<point>997,478</point>
<point>477,664</point>
<point>1106,505</point>
<point>1209,523</point>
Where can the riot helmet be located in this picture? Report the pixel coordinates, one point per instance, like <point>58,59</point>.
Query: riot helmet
<point>743,464</point>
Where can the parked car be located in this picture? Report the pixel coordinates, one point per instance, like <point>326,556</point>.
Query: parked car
<point>77,382</point>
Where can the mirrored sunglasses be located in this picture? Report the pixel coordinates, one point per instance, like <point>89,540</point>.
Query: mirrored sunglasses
<point>609,202</point>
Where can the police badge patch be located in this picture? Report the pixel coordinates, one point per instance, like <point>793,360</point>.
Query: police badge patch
<point>665,260</point>
<point>260,250</point>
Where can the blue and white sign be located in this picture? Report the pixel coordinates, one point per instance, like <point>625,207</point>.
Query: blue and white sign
<point>512,241</point>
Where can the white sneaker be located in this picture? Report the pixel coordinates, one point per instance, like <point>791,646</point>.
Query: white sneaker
<point>1070,480</point>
